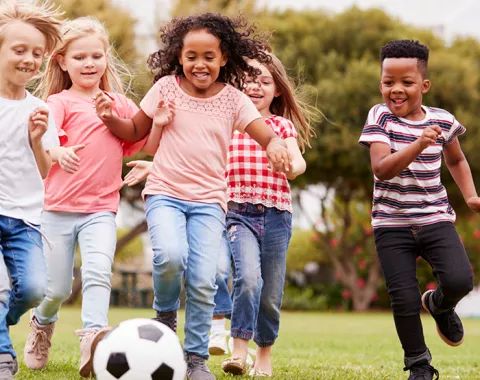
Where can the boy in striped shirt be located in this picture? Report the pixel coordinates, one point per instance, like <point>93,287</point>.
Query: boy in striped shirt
<point>411,214</point>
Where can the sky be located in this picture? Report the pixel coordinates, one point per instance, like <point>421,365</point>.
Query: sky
<point>448,17</point>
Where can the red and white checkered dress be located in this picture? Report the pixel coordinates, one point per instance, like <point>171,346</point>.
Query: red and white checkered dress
<point>248,176</point>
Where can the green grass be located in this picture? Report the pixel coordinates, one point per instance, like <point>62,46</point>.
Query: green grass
<point>311,346</point>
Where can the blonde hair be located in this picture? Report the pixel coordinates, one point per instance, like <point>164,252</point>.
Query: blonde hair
<point>56,80</point>
<point>290,105</point>
<point>44,17</point>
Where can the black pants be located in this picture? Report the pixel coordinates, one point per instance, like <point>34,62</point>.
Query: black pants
<point>398,249</point>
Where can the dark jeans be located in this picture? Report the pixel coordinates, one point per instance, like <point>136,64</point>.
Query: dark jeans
<point>398,249</point>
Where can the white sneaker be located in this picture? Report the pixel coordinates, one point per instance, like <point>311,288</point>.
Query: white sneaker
<point>218,343</point>
<point>251,352</point>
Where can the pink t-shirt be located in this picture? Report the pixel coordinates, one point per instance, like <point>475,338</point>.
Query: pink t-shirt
<point>191,160</point>
<point>95,186</point>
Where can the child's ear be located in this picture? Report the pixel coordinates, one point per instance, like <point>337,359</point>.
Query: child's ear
<point>426,86</point>
<point>61,61</point>
<point>224,60</point>
<point>180,60</point>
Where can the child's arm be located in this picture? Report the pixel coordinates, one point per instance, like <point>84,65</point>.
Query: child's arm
<point>37,126</point>
<point>276,148</point>
<point>140,171</point>
<point>387,165</point>
<point>164,114</point>
<point>458,166</point>
<point>132,130</point>
<point>298,163</point>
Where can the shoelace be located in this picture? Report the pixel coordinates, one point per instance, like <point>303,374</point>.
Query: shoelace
<point>6,367</point>
<point>40,344</point>
<point>426,370</point>
<point>168,318</point>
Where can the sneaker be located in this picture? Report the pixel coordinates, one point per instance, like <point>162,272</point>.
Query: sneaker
<point>168,318</point>
<point>449,325</point>
<point>423,372</point>
<point>197,368</point>
<point>8,366</point>
<point>89,339</point>
<point>217,344</point>
<point>37,348</point>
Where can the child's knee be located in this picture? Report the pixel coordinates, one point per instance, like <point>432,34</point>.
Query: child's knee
<point>406,302</point>
<point>457,286</point>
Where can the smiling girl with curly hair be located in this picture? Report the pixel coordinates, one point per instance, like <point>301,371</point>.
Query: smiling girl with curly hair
<point>200,66</point>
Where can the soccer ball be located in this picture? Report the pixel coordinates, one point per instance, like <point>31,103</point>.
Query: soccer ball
<point>140,349</point>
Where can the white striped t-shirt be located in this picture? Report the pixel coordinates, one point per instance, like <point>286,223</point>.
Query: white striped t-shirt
<point>415,196</point>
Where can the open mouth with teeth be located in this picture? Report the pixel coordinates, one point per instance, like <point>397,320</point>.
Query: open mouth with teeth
<point>200,75</point>
<point>398,102</point>
<point>23,70</point>
<point>255,96</point>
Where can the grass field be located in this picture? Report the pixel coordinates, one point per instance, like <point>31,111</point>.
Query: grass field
<point>311,346</point>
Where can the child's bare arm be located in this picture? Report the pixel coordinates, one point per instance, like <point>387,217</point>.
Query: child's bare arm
<point>386,165</point>
<point>298,163</point>
<point>140,171</point>
<point>132,130</point>
<point>458,166</point>
<point>37,126</point>
<point>277,152</point>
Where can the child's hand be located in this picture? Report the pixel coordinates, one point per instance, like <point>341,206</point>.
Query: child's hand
<point>164,113</point>
<point>37,124</point>
<point>279,157</point>
<point>474,204</point>
<point>140,171</point>
<point>68,160</point>
<point>429,136</point>
<point>103,105</point>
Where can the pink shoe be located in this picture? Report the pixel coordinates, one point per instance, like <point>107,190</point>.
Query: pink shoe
<point>89,339</point>
<point>37,348</point>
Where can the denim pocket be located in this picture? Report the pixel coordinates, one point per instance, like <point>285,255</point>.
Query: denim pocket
<point>287,219</point>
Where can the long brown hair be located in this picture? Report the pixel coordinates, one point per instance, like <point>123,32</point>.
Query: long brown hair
<point>290,105</point>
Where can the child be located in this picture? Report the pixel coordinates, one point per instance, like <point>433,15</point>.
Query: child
<point>259,220</point>
<point>272,94</point>
<point>82,191</point>
<point>27,35</point>
<point>411,214</point>
<point>185,191</point>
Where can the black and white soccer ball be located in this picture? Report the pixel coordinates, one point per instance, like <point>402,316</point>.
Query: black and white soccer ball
<point>140,349</point>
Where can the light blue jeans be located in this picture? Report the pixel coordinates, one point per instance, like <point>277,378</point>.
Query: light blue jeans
<point>186,241</point>
<point>23,276</point>
<point>258,237</point>
<point>223,299</point>
<point>96,235</point>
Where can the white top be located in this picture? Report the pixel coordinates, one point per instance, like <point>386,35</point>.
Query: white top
<point>21,185</point>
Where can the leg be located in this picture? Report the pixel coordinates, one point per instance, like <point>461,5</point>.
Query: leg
<point>398,250</point>
<point>278,231</point>
<point>205,227</point>
<point>59,228</point>
<point>5,341</point>
<point>97,237</point>
<point>167,227</point>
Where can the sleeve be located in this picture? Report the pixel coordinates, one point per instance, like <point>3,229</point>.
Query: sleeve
<point>153,96</point>
<point>50,138</point>
<point>246,113</point>
<point>58,112</point>
<point>287,129</point>
<point>374,131</point>
<point>128,110</point>
<point>455,130</point>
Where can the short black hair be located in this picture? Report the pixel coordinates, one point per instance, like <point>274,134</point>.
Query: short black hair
<point>407,49</point>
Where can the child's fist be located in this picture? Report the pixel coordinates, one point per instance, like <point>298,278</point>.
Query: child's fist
<point>37,124</point>
<point>429,136</point>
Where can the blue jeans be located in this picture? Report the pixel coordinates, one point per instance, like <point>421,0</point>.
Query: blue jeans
<point>223,299</point>
<point>23,277</point>
<point>96,234</point>
<point>258,238</point>
<point>186,232</point>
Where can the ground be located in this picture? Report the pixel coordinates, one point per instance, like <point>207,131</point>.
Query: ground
<point>327,346</point>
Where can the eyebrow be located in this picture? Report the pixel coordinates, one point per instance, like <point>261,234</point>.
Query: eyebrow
<point>194,52</point>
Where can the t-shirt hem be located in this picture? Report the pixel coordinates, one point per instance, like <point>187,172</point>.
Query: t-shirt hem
<point>151,192</point>
<point>81,210</point>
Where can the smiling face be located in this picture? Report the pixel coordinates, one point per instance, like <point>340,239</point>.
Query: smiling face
<point>22,52</point>
<point>261,90</point>
<point>85,61</point>
<point>202,59</point>
<point>403,86</point>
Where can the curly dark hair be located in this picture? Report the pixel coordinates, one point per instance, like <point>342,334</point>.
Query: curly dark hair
<point>239,41</point>
<point>407,49</point>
